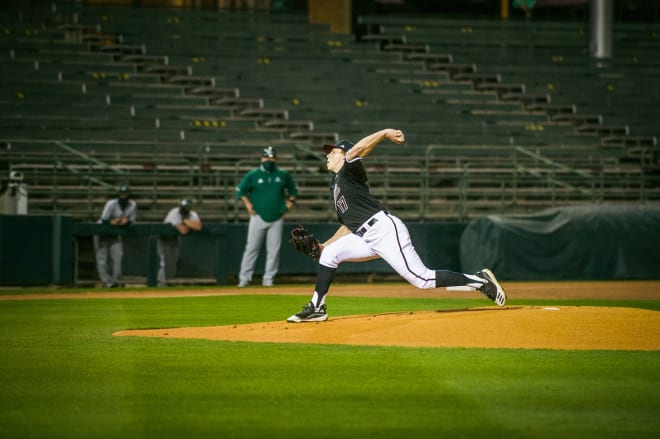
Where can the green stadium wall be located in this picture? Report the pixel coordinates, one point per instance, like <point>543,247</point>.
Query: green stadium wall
<point>57,250</point>
<point>574,243</point>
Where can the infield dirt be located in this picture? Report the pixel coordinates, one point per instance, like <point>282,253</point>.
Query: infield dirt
<point>525,327</point>
<point>520,327</point>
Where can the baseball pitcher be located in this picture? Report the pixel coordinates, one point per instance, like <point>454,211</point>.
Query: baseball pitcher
<point>368,230</point>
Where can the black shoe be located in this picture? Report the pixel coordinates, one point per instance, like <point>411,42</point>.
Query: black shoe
<point>491,288</point>
<point>310,313</point>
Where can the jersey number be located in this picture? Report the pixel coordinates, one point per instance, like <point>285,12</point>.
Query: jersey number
<point>342,206</point>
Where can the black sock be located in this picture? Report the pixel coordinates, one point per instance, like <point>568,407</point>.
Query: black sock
<point>324,277</point>
<point>446,278</point>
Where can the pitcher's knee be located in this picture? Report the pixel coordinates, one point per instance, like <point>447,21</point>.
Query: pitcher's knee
<point>329,258</point>
<point>421,283</point>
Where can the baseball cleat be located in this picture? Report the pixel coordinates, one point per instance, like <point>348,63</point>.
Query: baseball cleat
<point>492,288</point>
<point>310,313</point>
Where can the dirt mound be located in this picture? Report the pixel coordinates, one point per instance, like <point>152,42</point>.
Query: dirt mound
<point>525,327</point>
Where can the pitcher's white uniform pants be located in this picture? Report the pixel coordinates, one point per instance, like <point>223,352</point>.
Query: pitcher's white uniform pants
<point>387,237</point>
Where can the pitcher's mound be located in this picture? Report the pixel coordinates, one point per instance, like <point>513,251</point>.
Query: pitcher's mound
<point>526,327</point>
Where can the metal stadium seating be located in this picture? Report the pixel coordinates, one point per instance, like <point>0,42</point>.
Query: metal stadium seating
<point>499,118</point>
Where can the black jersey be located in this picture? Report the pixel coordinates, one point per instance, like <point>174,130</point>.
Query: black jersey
<point>350,192</point>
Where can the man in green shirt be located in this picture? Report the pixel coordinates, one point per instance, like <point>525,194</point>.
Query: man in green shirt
<point>268,192</point>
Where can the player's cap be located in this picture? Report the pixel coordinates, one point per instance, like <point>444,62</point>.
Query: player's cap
<point>344,145</point>
<point>124,190</point>
<point>184,203</point>
<point>269,152</point>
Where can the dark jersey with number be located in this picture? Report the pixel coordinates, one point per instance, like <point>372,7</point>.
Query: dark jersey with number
<point>350,192</point>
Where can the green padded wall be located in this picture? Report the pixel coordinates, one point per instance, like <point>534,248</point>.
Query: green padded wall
<point>35,250</point>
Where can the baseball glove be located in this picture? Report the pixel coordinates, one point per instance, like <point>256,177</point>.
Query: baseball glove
<point>305,243</point>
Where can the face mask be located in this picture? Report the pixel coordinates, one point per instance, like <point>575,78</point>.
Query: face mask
<point>123,202</point>
<point>268,166</point>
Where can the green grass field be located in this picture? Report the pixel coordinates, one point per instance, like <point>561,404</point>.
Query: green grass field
<point>65,376</point>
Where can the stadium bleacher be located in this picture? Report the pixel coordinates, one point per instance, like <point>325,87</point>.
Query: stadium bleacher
<point>499,117</point>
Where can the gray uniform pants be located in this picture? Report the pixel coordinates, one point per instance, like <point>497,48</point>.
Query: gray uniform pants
<point>257,229</point>
<point>113,247</point>
<point>169,248</point>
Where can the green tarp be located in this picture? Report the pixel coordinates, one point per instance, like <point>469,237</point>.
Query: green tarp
<point>570,243</point>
